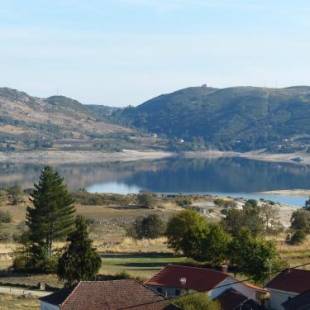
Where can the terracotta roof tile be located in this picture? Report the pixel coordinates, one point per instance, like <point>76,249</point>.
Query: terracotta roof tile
<point>108,295</point>
<point>291,280</point>
<point>198,279</point>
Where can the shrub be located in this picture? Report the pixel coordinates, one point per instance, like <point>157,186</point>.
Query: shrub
<point>5,236</point>
<point>5,217</point>
<point>146,200</point>
<point>300,220</point>
<point>297,237</point>
<point>196,301</point>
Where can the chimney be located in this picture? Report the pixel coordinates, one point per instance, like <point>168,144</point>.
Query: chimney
<point>183,281</point>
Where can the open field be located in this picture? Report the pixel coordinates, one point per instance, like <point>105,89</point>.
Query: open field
<point>108,223</point>
<point>141,265</point>
<point>11,302</point>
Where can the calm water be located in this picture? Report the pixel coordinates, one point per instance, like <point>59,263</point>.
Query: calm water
<point>227,176</point>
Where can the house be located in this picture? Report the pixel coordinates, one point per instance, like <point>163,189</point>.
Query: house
<point>286,285</point>
<point>300,302</point>
<point>176,280</point>
<point>233,300</point>
<point>106,295</point>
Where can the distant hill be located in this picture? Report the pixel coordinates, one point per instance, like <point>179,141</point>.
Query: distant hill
<point>28,122</point>
<point>101,112</point>
<point>239,118</point>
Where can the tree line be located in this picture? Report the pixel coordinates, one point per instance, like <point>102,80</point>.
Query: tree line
<point>52,218</point>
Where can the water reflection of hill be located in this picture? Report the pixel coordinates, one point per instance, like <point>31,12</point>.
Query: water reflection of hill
<point>222,175</point>
<point>230,175</point>
<point>76,176</point>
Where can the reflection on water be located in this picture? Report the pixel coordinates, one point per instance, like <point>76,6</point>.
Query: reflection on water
<point>232,176</point>
<point>114,188</point>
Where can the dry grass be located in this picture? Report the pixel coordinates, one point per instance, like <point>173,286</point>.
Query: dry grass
<point>295,255</point>
<point>11,302</point>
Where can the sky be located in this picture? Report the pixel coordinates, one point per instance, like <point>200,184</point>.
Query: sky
<point>124,52</point>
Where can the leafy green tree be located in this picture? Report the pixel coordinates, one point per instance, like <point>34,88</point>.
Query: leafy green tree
<point>233,221</point>
<point>254,257</point>
<point>196,301</point>
<point>80,261</point>
<point>189,233</point>
<point>148,227</point>
<point>270,217</point>
<point>185,232</point>
<point>252,217</point>
<point>300,220</point>
<point>214,245</point>
<point>51,217</point>
<point>249,217</point>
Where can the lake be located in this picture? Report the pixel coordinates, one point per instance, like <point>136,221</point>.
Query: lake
<point>225,176</point>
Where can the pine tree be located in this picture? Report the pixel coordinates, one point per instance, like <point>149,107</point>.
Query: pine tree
<point>51,217</point>
<point>80,261</point>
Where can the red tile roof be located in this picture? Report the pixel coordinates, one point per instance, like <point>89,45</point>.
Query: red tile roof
<point>291,280</point>
<point>108,295</point>
<point>198,279</point>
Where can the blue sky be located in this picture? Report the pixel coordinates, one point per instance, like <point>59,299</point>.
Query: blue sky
<point>123,52</point>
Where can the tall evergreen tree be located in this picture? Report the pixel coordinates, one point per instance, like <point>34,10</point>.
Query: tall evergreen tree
<point>51,217</point>
<point>80,261</point>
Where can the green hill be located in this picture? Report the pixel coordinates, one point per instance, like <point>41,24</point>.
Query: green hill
<point>238,118</point>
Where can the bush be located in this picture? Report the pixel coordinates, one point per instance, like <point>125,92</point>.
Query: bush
<point>183,201</point>
<point>297,237</point>
<point>4,236</point>
<point>300,220</point>
<point>196,301</point>
<point>5,217</point>
<point>15,194</point>
<point>146,200</point>
<point>20,262</point>
<point>149,227</point>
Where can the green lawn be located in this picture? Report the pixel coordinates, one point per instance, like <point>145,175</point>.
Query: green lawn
<point>138,264</point>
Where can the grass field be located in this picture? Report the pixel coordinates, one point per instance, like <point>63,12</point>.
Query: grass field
<point>138,264</point>
<point>11,302</point>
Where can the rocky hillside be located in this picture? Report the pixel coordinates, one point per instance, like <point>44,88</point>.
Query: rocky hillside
<point>28,122</point>
<point>238,118</point>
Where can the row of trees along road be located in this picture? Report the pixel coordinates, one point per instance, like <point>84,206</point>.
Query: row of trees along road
<point>52,218</point>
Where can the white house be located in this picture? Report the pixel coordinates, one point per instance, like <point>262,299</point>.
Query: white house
<point>287,285</point>
<point>175,280</point>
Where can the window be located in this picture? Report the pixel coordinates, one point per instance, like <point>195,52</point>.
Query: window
<point>177,292</point>
<point>159,290</point>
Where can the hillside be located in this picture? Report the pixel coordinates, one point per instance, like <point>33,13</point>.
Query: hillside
<point>238,118</point>
<point>28,122</point>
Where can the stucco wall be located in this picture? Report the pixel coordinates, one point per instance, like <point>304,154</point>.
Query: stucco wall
<point>278,298</point>
<point>46,306</point>
<point>228,283</point>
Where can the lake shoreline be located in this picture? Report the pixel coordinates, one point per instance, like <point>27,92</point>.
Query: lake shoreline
<point>295,158</point>
<point>79,157</point>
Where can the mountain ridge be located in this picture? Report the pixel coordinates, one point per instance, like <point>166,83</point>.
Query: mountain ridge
<point>239,118</point>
